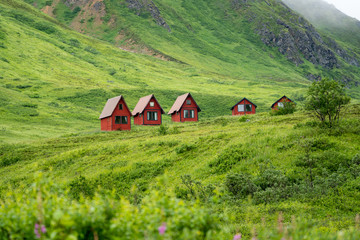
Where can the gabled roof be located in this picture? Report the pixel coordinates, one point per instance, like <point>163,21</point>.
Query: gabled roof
<point>142,103</point>
<point>282,98</point>
<point>179,102</point>
<point>110,106</point>
<point>241,101</point>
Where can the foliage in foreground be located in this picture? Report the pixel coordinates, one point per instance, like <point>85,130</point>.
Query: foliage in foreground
<point>48,213</point>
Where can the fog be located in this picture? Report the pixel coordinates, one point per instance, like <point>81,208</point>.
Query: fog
<point>349,7</point>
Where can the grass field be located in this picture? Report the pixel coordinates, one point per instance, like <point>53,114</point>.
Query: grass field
<point>225,174</point>
<point>209,151</point>
<point>55,81</point>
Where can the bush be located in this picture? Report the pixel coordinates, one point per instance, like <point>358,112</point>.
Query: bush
<point>184,148</point>
<point>45,27</point>
<point>289,108</point>
<point>81,187</point>
<point>46,213</point>
<point>240,185</point>
<point>163,130</point>
<point>228,158</point>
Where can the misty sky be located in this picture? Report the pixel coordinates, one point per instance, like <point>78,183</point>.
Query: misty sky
<point>349,7</point>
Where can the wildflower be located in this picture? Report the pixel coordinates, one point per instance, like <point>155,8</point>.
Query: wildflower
<point>162,228</point>
<point>43,229</point>
<point>237,237</point>
<point>36,230</point>
<point>37,227</point>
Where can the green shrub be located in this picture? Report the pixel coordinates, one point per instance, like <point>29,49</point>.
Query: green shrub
<point>183,148</point>
<point>47,213</point>
<point>163,130</point>
<point>240,185</point>
<point>81,187</point>
<point>289,108</point>
<point>228,158</point>
<point>45,27</point>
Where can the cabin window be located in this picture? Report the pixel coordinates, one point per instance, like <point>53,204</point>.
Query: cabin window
<point>241,108</point>
<point>124,120</point>
<point>188,102</point>
<point>120,106</point>
<point>152,104</point>
<point>280,104</point>
<point>189,114</point>
<point>121,120</point>
<point>152,116</point>
<point>248,107</point>
<point>186,113</point>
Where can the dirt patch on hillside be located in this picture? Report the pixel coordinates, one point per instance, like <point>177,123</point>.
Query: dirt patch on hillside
<point>49,10</point>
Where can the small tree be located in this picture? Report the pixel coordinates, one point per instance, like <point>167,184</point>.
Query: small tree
<point>326,98</point>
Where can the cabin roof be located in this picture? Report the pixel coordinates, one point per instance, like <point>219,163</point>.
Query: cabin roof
<point>179,102</point>
<point>142,103</point>
<point>241,101</point>
<point>280,99</point>
<point>110,106</point>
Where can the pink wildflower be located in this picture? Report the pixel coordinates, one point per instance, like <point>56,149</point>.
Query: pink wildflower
<point>237,237</point>
<point>162,228</point>
<point>43,229</point>
<point>36,231</point>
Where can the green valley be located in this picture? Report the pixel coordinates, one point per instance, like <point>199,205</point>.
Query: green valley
<point>265,176</point>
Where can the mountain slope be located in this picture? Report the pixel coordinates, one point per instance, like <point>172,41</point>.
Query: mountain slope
<point>225,36</point>
<point>55,81</point>
<point>329,19</point>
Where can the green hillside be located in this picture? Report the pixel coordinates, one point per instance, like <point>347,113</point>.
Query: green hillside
<point>207,180</point>
<point>270,152</point>
<point>329,19</point>
<point>56,81</point>
<point>230,37</point>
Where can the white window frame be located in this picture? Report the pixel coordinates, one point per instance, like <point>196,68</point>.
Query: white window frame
<point>152,104</point>
<point>155,116</point>
<point>188,102</point>
<point>241,108</point>
<point>280,105</point>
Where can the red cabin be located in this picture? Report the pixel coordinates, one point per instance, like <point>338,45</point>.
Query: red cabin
<point>184,109</point>
<point>244,107</point>
<point>115,115</point>
<point>280,103</point>
<point>148,111</point>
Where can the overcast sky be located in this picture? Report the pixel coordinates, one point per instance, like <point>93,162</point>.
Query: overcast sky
<point>349,7</point>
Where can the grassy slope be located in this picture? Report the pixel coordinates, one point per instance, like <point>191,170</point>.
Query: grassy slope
<point>56,81</point>
<point>329,19</point>
<point>210,35</point>
<point>120,160</point>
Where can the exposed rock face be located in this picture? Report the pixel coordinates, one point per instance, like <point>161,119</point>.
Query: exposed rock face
<point>295,37</point>
<point>296,41</point>
<point>149,6</point>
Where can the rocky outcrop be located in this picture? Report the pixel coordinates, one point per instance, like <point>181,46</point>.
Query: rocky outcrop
<point>148,6</point>
<point>294,36</point>
<point>295,42</point>
<point>352,60</point>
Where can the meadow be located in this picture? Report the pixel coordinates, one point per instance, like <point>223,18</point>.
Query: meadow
<point>284,176</point>
<point>248,169</point>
